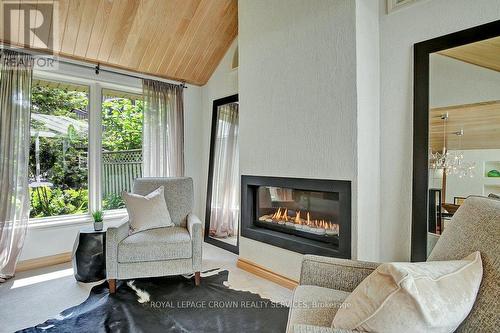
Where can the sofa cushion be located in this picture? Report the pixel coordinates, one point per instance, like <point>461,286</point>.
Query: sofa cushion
<point>476,227</point>
<point>155,245</point>
<point>413,297</point>
<point>314,305</point>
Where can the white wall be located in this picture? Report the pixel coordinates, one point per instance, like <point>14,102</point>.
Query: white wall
<point>454,82</point>
<point>297,80</point>
<point>398,32</point>
<point>50,240</point>
<point>222,83</point>
<point>368,119</point>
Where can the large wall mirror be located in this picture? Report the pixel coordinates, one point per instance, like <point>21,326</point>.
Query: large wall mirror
<point>223,192</point>
<point>456,128</point>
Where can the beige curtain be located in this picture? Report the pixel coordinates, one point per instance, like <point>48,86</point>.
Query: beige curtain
<point>15,101</point>
<point>225,202</point>
<point>163,138</point>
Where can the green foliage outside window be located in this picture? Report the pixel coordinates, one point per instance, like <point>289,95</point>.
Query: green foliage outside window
<point>46,201</point>
<point>122,120</point>
<point>112,201</point>
<point>63,158</point>
<point>122,124</point>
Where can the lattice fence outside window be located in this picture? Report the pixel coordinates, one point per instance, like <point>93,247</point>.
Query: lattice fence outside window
<point>120,168</point>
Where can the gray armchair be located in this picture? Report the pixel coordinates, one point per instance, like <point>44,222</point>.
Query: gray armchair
<point>474,227</point>
<point>161,251</point>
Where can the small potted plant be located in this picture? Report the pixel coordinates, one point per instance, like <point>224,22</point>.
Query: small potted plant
<point>97,215</point>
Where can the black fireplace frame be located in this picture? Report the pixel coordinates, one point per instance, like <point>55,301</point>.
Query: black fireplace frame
<point>249,186</point>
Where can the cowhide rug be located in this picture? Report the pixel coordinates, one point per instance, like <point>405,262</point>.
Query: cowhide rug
<point>170,304</point>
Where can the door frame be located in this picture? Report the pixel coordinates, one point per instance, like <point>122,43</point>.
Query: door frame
<point>421,74</point>
<point>207,238</point>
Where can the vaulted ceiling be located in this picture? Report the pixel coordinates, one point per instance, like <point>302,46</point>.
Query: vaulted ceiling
<point>479,122</point>
<point>175,39</point>
<point>484,53</point>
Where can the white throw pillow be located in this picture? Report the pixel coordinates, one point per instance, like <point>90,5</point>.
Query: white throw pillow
<point>147,212</point>
<point>434,296</point>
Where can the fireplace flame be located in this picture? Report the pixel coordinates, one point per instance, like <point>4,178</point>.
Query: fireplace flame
<point>309,224</point>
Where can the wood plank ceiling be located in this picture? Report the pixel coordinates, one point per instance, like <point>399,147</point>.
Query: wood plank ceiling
<point>480,122</point>
<point>484,53</point>
<point>182,40</point>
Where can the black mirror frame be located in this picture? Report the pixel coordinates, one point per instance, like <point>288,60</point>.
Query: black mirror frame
<point>208,239</point>
<point>420,184</point>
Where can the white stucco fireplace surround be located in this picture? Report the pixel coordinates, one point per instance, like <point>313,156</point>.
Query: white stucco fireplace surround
<point>334,142</point>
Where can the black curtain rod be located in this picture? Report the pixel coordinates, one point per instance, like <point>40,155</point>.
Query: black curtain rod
<point>97,68</point>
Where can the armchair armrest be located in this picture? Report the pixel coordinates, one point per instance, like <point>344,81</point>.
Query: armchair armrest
<point>114,235</point>
<point>333,273</point>
<point>194,228</point>
<point>300,328</point>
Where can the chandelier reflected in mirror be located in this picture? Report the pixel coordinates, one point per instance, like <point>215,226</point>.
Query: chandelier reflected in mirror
<point>451,162</point>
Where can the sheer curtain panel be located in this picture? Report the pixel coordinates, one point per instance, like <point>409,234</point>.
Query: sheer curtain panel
<point>15,102</point>
<point>163,141</point>
<point>224,213</point>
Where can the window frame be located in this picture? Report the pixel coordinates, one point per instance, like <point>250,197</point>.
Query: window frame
<point>94,148</point>
<point>118,88</point>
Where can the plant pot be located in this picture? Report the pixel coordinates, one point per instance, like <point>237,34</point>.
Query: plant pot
<point>98,226</point>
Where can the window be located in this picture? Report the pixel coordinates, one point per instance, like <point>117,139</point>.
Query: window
<point>58,173</point>
<point>122,119</point>
<point>65,141</point>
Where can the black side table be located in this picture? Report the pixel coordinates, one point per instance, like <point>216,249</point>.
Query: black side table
<point>89,255</point>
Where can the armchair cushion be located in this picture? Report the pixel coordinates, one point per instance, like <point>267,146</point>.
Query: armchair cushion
<point>314,305</point>
<point>147,211</point>
<point>156,245</point>
<point>179,195</point>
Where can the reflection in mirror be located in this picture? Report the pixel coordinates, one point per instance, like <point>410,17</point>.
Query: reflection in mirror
<point>223,196</point>
<point>464,130</point>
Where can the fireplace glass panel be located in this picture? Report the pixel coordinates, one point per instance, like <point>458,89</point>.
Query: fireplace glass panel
<point>308,214</point>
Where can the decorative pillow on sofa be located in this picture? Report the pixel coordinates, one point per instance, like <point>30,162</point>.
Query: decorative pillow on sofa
<point>147,212</point>
<point>434,296</point>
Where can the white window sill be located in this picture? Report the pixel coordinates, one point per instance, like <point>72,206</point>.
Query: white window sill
<point>74,220</point>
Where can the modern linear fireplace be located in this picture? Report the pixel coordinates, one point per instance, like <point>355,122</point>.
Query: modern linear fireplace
<point>309,216</point>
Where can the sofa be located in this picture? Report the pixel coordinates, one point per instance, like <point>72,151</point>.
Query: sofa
<point>474,227</point>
